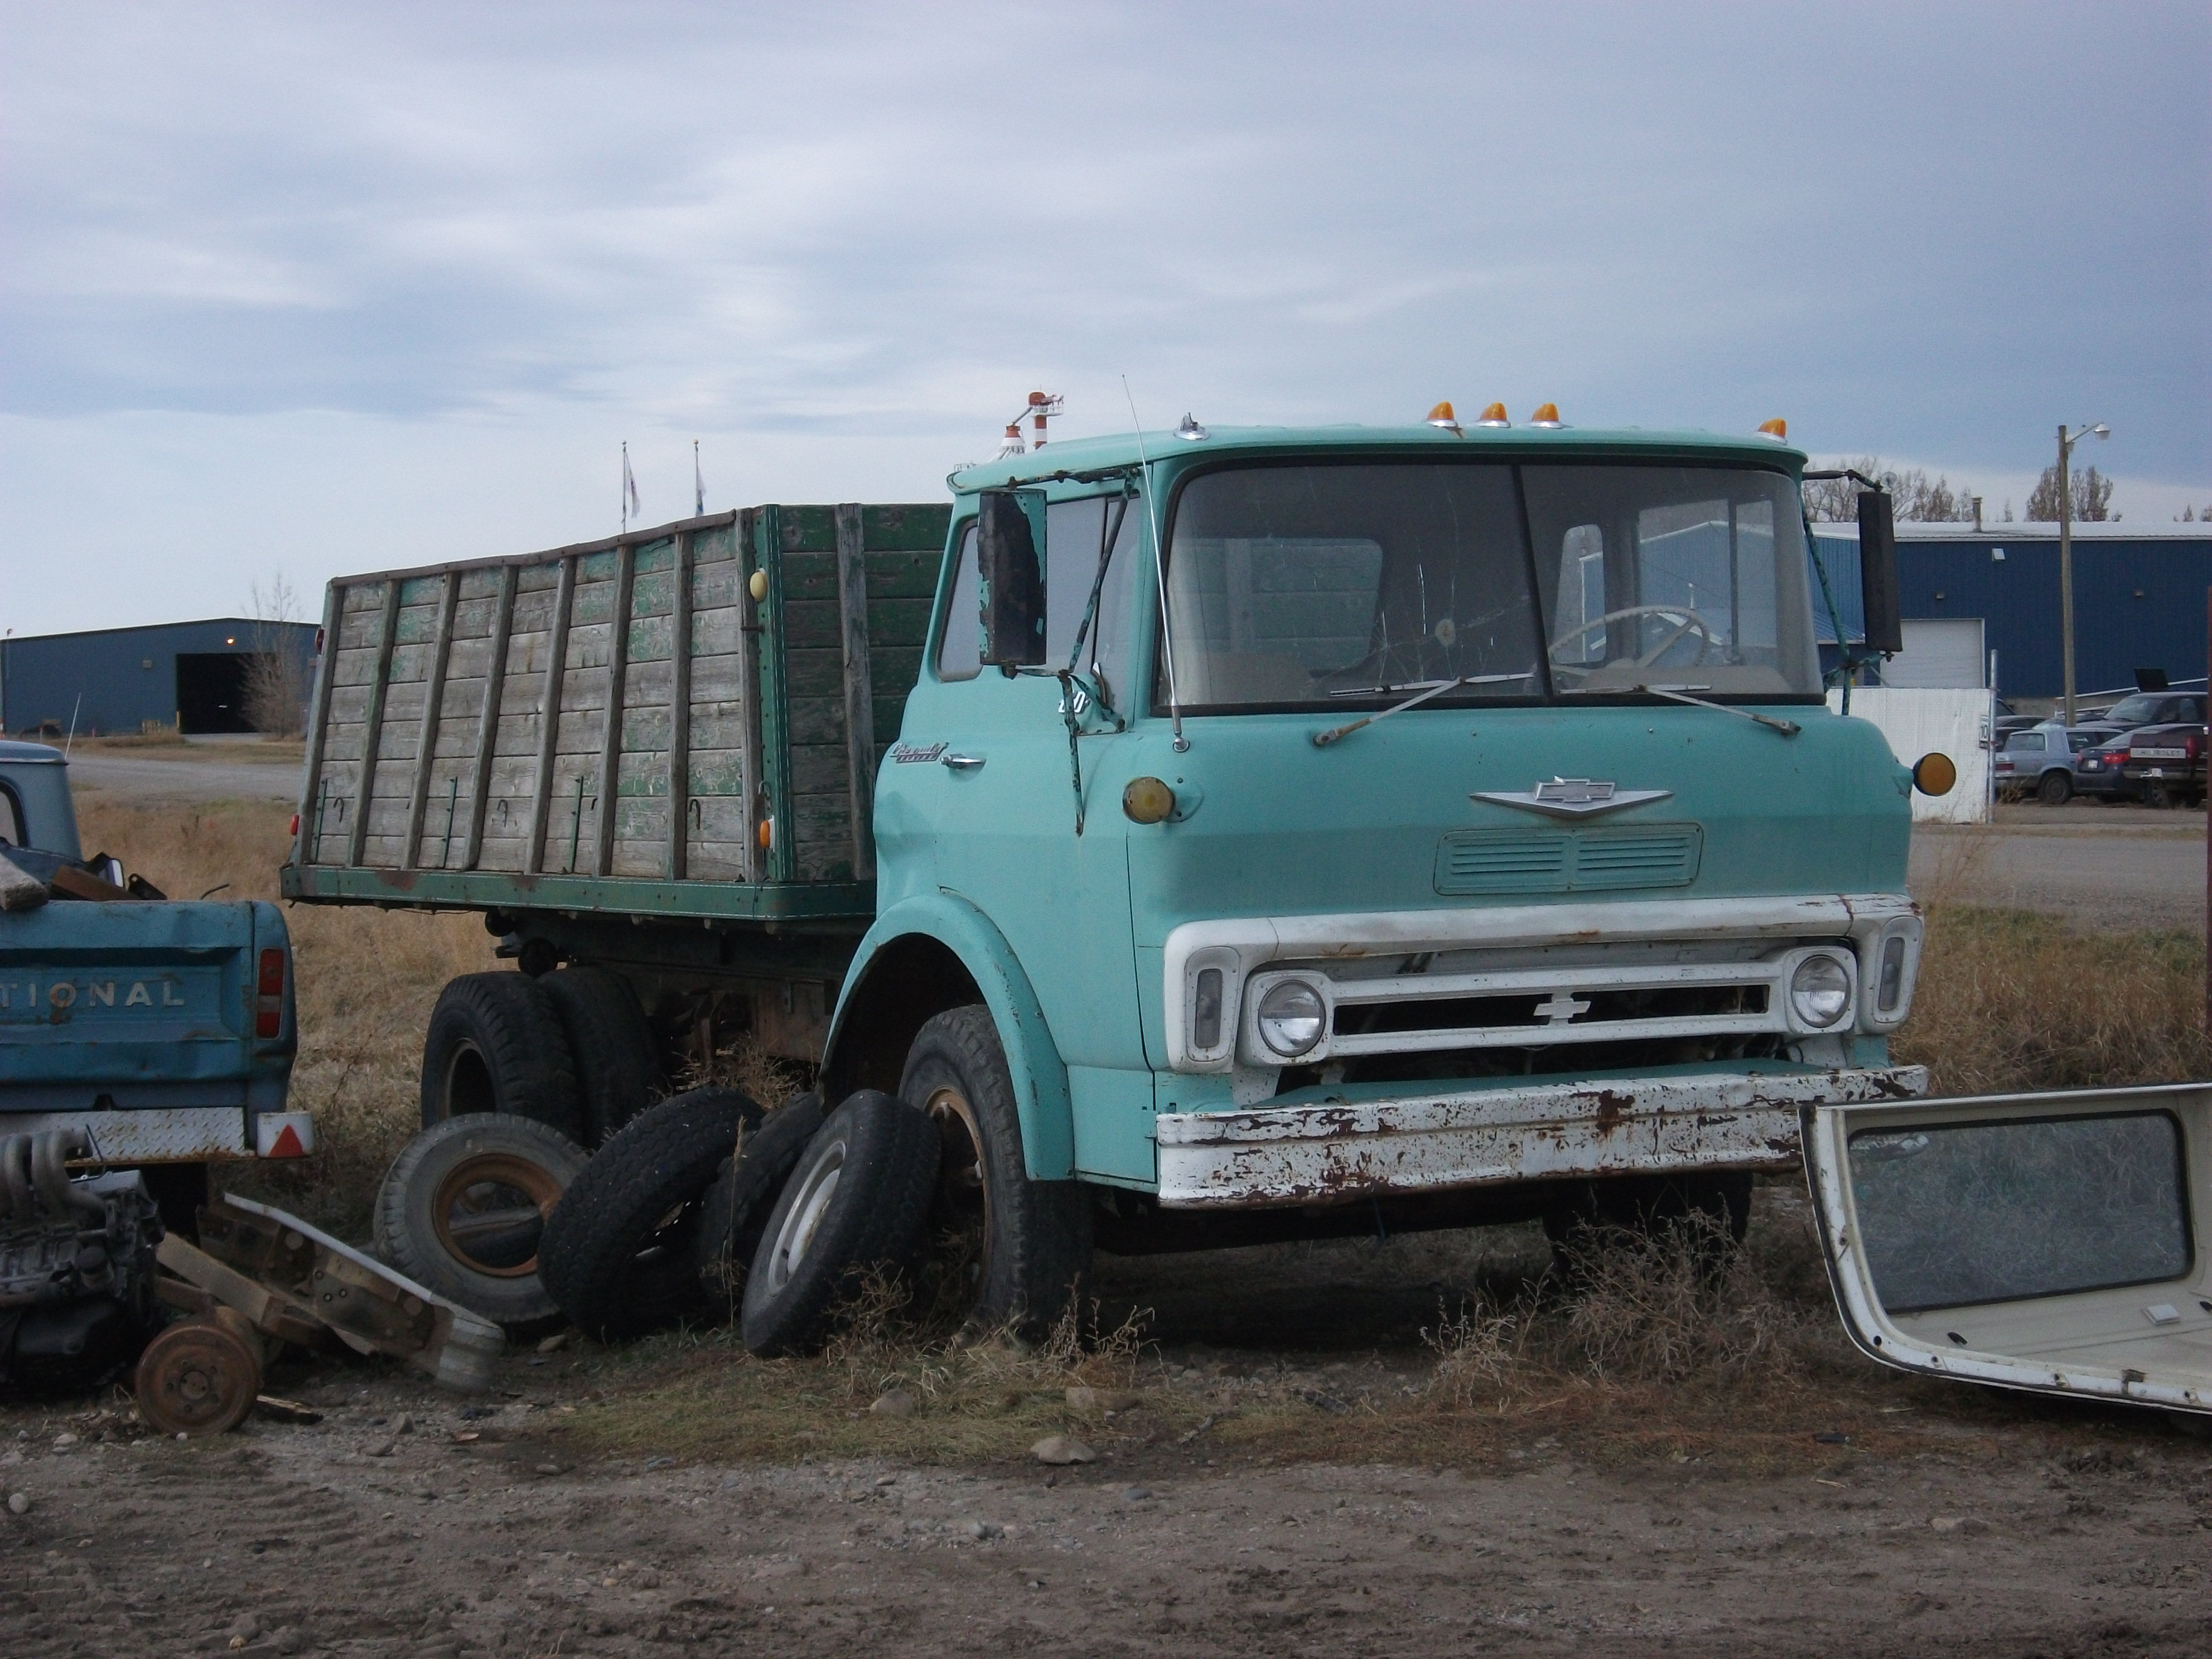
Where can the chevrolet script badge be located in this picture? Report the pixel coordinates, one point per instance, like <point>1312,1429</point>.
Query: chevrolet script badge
<point>1572,798</point>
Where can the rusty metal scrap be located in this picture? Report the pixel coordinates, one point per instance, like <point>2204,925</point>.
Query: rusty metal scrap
<point>298,1283</point>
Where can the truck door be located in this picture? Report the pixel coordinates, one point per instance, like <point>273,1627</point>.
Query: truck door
<point>2053,1243</point>
<point>1004,809</point>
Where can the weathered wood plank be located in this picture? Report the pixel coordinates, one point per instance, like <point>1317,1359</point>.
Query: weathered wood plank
<point>375,723</point>
<point>860,698</point>
<point>426,738</point>
<point>488,721</point>
<point>679,705</point>
<point>549,717</point>
<point>618,643</point>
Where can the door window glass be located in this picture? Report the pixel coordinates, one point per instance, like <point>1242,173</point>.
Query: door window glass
<point>1076,543</point>
<point>1981,1212</point>
<point>11,818</point>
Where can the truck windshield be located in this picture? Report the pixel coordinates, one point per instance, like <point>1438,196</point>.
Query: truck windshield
<point>1307,585</point>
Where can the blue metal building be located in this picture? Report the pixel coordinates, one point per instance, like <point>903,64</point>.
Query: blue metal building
<point>2139,596</point>
<point>192,675</point>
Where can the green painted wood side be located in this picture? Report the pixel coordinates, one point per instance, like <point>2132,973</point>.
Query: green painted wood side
<point>773,529</point>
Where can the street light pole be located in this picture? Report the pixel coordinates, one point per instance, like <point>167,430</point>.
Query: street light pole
<point>2066,442</point>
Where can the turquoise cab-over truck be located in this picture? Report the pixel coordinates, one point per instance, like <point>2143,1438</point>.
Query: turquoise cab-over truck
<point>1226,836</point>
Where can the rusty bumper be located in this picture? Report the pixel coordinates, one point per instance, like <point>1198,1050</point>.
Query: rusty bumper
<point>1321,1153</point>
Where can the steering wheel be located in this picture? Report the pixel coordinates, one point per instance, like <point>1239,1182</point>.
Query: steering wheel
<point>1690,621</point>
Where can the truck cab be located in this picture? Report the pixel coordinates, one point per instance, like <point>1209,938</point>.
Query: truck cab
<point>1347,826</point>
<point>159,1033</point>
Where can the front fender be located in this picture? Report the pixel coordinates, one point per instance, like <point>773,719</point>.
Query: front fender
<point>1040,1076</point>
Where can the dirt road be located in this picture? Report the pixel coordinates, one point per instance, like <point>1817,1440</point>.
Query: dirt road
<point>2115,867</point>
<point>352,1538</point>
<point>189,773</point>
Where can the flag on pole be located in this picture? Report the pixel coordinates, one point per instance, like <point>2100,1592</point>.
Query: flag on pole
<point>698,484</point>
<point>629,490</point>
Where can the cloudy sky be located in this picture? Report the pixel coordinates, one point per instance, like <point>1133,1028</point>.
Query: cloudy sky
<point>315,287</point>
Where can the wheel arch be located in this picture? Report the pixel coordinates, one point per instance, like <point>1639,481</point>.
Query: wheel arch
<point>929,954</point>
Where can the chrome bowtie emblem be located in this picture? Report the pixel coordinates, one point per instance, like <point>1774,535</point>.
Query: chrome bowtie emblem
<point>1572,798</point>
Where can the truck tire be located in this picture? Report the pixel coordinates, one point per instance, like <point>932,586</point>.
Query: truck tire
<point>620,1253</point>
<point>617,1063</point>
<point>735,1211</point>
<point>1027,1242</point>
<point>494,1044</point>
<point>464,1208</point>
<point>856,1203</point>
<point>2056,789</point>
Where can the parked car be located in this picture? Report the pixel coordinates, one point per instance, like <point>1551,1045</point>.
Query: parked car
<point>2165,763</point>
<point>2039,762</point>
<point>2141,709</point>
<point>2005,720</point>
<point>2101,766</point>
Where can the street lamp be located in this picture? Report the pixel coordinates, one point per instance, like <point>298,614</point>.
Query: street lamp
<point>2066,442</point>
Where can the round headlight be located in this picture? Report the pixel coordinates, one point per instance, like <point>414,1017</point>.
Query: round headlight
<point>1819,991</point>
<point>1291,1016</point>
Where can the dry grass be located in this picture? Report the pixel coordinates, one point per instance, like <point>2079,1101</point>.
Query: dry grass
<point>365,980</point>
<point>2011,1000</point>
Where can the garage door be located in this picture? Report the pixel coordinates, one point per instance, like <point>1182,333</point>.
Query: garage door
<point>1943,655</point>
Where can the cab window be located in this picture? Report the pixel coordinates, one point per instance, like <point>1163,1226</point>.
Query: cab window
<point>11,819</point>
<point>1082,538</point>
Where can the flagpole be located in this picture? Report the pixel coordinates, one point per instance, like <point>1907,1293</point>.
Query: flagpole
<point>624,490</point>
<point>698,484</point>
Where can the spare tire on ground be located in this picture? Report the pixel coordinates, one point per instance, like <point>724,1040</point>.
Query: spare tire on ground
<point>858,1202</point>
<point>735,1211</point>
<point>494,1044</point>
<point>620,1253</point>
<point>618,1065</point>
<point>463,1210</point>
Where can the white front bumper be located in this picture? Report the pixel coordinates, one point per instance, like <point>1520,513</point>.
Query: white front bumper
<point>1324,1153</point>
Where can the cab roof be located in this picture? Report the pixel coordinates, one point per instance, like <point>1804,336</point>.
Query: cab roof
<point>1076,458</point>
<point>28,753</point>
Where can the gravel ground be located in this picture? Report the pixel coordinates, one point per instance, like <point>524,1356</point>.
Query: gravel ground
<point>2117,867</point>
<point>356,1537</point>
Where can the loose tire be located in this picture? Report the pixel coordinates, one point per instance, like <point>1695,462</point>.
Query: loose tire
<point>495,1045</point>
<point>1023,1244</point>
<point>735,1211</point>
<point>464,1208</point>
<point>620,1253</point>
<point>2056,789</point>
<point>858,1202</point>
<point>618,1068</point>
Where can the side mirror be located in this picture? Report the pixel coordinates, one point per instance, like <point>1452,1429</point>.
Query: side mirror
<point>1885,631</point>
<point>1010,541</point>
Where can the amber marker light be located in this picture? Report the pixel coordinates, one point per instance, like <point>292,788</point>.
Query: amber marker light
<point>1442,415</point>
<point>1547,415</point>
<point>766,834</point>
<point>1935,774</point>
<point>1147,800</point>
<point>756,585</point>
<point>1777,428</point>
<point>1494,415</point>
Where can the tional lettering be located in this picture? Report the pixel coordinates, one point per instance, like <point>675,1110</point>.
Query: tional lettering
<point>104,994</point>
<point>138,998</point>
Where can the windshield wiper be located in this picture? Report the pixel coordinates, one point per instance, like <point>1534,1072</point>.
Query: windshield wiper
<point>1787,728</point>
<point>1428,688</point>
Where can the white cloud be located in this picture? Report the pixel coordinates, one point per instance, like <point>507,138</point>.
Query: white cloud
<point>436,262</point>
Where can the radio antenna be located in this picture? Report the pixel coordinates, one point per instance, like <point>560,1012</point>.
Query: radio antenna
<point>1159,573</point>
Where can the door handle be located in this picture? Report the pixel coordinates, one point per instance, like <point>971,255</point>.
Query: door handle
<point>964,763</point>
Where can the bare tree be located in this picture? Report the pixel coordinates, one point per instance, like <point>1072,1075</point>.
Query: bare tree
<point>1913,496</point>
<point>2092,497</point>
<point>275,674</point>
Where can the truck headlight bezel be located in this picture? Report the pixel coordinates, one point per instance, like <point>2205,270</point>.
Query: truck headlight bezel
<point>1819,991</point>
<point>1290,1020</point>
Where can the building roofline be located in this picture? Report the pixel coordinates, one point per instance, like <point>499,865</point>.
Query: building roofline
<point>155,628</point>
<point>1999,534</point>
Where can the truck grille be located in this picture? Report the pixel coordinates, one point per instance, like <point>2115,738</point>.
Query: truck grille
<point>1479,862</point>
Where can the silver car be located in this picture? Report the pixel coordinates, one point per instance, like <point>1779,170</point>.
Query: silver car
<point>2040,762</point>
